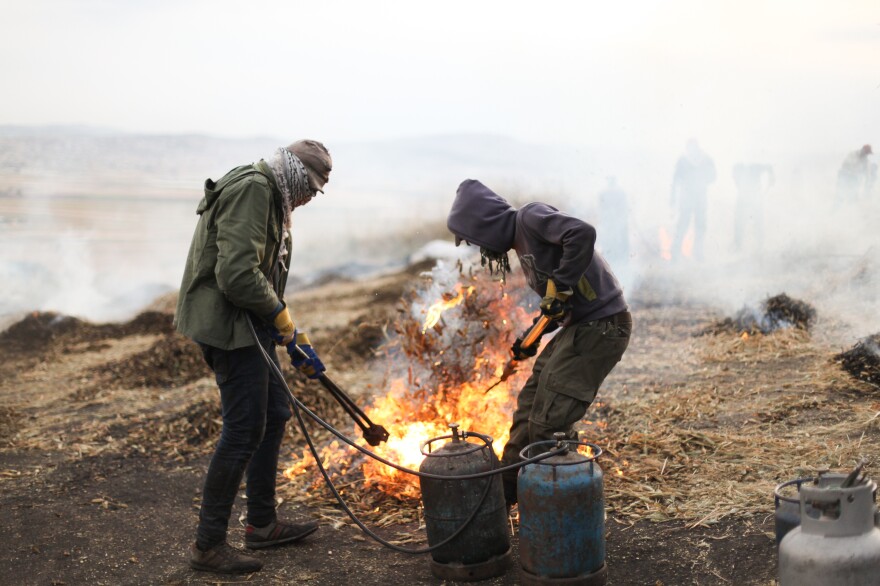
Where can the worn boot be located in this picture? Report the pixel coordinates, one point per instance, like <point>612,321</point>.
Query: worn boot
<point>277,533</point>
<point>223,559</point>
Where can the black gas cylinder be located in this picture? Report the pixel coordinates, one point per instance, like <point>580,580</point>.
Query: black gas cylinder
<point>469,515</point>
<point>788,508</point>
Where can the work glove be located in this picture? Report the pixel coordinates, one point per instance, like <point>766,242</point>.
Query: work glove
<point>284,327</point>
<point>520,353</point>
<point>310,365</point>
<point>554,304</point>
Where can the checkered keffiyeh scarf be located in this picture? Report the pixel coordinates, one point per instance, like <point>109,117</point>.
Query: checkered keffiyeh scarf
<point>293,181</point>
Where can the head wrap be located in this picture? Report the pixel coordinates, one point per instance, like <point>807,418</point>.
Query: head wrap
<point>293,181</point>
<point>316,159</point>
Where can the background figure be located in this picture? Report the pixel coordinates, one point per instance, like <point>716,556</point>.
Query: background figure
<point>871,181</point>
<point>752,181</point>
<point>614,223</point>
<point>694,172</point>
<point>854,179</point>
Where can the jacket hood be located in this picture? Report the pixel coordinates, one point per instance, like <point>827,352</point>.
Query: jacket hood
<point>482,217</point>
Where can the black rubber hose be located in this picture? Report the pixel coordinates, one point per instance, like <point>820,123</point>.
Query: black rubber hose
<point>298,407</point>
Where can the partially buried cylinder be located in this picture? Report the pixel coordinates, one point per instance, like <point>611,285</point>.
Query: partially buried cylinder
<point>469,515</point>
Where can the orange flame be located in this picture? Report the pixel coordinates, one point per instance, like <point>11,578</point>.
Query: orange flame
<point>687,246</point>
<point>436,311</point>
<point>586,451</point>
<point>665,244</point>
<point>447,381</point>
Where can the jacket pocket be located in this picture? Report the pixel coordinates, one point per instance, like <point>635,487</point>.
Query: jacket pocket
<point>566,383</point>
<point>585,289</point>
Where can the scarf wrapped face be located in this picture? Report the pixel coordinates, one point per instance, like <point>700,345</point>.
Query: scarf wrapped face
<point>293,181</point>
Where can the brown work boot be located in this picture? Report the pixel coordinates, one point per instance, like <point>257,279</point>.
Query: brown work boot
<point>277,533</point>
<point>223,559</point>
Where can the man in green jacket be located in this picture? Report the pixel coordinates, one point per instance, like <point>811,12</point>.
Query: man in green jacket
<point>237,266</point>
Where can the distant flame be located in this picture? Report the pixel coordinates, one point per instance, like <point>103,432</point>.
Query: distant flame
<point>665,244</point>
<point>687,246</point>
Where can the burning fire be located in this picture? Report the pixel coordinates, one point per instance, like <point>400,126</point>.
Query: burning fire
<point>444,373</point>
<point>435,312</point>
<point>665,244</point>
<point>687,245</point>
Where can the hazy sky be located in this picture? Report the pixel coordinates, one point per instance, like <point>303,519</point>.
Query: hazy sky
<point>778,75</point>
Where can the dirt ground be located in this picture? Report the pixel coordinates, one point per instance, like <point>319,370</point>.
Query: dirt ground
<point>105,434</point>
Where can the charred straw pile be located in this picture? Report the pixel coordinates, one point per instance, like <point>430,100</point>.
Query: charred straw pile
<point>38,329</point>
<point>863,360</point>
<point>777,312</point>
<point>172,361</point>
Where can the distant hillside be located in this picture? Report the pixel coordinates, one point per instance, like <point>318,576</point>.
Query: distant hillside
<point>62,159</point>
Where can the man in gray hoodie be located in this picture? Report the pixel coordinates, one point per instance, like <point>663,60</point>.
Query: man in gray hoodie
<point>579,293</point>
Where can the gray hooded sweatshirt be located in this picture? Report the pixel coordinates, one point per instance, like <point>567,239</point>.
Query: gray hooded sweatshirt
<point>549,244</point>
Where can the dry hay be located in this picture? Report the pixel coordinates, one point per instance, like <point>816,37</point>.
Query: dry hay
<point>172,361</point>
<point>177,431</point>
<point>8,424</point>
<point>357,344</point>
<point>777,312</point>
<point>863,360</point>
<point>175,413</point>
<point>180,423</point>
<point>690,452</point>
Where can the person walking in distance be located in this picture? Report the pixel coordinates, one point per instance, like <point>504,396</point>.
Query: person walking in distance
<point>694,172</point>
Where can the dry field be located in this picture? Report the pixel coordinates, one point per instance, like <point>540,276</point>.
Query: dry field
<point>105,432</point>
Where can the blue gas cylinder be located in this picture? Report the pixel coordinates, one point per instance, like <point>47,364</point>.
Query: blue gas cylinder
<point>561,516</point>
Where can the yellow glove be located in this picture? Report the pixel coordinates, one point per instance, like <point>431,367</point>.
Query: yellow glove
<point>553,304</point>
<point>285,326</point>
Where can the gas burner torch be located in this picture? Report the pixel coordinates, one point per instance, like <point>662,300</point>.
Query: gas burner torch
<point>374,434</point>
<point>530,338</point>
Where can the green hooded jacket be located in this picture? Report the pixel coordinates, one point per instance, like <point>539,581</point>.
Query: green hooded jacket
<point>232,258</point>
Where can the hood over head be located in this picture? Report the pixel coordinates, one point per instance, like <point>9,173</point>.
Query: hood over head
<point>482,217</point>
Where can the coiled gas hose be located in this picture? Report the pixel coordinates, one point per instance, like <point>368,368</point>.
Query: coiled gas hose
<point>298,407</point>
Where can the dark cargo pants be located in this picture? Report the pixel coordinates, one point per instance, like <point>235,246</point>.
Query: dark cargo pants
<point>255,413</point>
<point>564,381</point>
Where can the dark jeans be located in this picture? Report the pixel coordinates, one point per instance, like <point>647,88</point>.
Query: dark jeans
<point>565,378</point>
<point>255,411</point>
